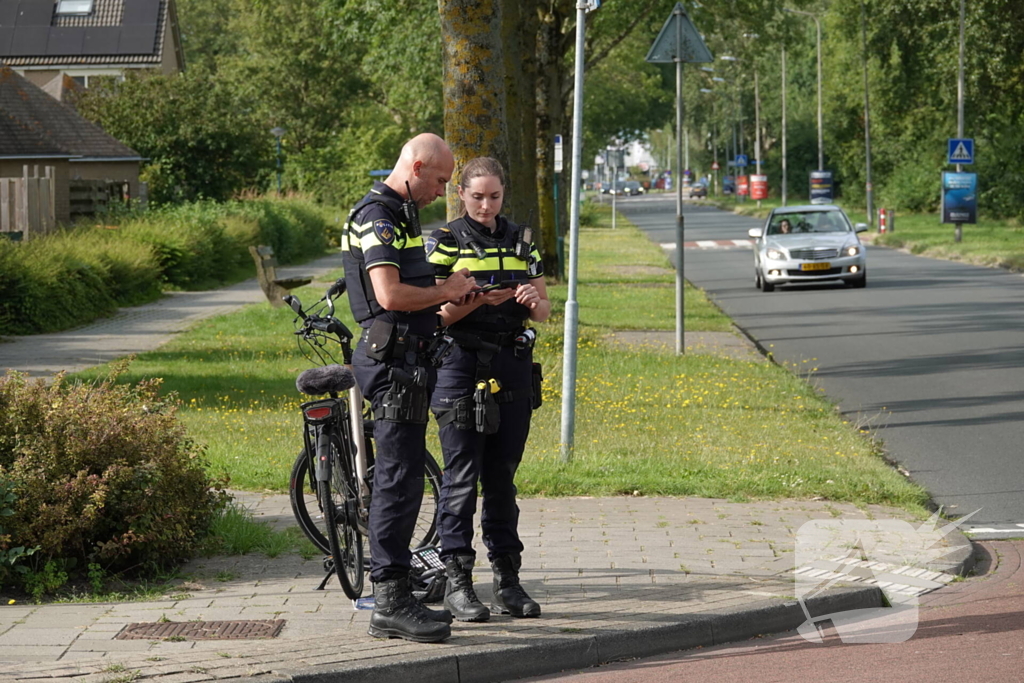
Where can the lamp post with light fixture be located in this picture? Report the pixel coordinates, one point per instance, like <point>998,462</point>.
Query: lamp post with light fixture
<point>278,133</point>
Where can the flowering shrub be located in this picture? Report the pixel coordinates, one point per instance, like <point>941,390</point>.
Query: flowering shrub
<point>100,473</point>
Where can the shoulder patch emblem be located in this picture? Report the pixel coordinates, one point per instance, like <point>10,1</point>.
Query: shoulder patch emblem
<point>533,267</point>
<point>430,245</point>
<point>385,231</point>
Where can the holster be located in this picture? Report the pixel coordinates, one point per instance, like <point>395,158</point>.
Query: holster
<point>407,401</point>
<point>487,415</point>
<point>537,381</point>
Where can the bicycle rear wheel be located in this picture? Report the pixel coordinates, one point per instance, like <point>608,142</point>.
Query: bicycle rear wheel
<point>339,499</point>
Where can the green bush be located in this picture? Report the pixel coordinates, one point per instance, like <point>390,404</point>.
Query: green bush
<point>72,277</point>
<point>100,473</point>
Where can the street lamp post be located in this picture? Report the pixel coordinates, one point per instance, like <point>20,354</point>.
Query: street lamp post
<point>783,126</point>
<point>278,132</point>
<point>821,145</point>
<point>867,118</point>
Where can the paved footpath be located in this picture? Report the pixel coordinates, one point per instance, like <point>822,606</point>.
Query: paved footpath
<point>138,329</point>
<point>617,577</point>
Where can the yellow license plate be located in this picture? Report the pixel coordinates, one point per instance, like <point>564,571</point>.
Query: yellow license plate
<point>825,265</point>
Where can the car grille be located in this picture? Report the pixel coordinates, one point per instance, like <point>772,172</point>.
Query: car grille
<point>813,254</point>
<point>814,273</point>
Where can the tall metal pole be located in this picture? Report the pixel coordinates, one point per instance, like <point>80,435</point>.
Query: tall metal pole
<point>783,126</point>
<point>615,180</point>
<point>679,183</point>
<point>757,125</point>
<point>867,117</point>
<point>959,229</point>
<point>278,165</point>
<point>821,126</point>
<point>571,304</point>
<point>821,142</point>
<point>714,143</point>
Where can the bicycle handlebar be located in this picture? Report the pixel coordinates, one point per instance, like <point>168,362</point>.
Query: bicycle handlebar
<point>313,323</point>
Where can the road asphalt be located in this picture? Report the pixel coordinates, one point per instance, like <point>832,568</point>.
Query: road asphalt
<point>617,577</point>
<point>969,630</point>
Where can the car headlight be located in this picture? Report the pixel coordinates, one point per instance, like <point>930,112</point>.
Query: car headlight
<point>852,250</point>
<point>775,255</point>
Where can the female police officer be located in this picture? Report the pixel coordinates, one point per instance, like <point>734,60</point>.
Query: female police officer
<point>486,389</point>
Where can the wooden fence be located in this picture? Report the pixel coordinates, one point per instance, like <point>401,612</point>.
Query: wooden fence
<point>28,204</point>
<point>91,197</point>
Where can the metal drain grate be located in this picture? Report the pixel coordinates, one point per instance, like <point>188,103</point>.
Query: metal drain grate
<point>203,630</point>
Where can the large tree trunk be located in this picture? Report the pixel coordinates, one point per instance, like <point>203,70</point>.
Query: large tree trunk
<point>528,115</point>
<point>520,86</point>
<point>474,84</point>
<point>550,75</point>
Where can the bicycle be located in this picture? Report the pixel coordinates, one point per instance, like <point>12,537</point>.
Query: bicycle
<point>336,461</point>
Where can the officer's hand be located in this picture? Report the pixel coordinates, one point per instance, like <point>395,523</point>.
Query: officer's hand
<point>528,296</point>
<point>498,296</point>
<point>458,285</point>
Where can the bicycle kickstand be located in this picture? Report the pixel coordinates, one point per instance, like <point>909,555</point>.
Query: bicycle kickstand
<point>329,569</point>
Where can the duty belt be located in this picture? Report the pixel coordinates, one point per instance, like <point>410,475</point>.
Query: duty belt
<point>473,340</point>
<point>416,343</point>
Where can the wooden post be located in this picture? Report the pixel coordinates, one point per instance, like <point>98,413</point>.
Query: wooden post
<point>5,205</point>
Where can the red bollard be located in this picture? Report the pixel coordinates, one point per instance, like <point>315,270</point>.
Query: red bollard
<point>882,220</point>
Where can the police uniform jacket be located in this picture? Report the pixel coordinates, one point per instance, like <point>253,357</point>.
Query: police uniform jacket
<point>376,234</point>
<point>449,250</point>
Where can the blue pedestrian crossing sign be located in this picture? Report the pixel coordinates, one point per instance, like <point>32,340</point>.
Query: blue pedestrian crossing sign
<point>960,151</point>
<point>741,160</point>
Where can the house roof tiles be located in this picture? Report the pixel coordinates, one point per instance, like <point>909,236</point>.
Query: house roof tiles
<point>117,32</point>
<point>34,124</point>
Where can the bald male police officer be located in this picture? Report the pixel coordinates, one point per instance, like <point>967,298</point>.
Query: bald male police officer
<point>395,300</point>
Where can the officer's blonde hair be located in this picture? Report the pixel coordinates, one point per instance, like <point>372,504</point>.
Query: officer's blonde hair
<point>479,168</point>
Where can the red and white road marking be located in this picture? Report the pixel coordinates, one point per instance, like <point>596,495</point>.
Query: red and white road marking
<point>711,244</point>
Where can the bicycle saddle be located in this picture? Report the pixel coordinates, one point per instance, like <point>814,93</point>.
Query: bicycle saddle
<point>325,380</point>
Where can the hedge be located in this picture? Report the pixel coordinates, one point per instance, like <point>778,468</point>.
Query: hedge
<point>77,275</point>
<point>97,473</point>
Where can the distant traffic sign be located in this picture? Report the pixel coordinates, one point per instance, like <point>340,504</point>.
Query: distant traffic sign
<point>741,160</point>
<point>715,166</point>
<point>960,151</point>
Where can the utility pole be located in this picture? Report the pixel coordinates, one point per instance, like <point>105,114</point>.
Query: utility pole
<point>867,117</point>
<point>783,126</point>
<point>958,233</point>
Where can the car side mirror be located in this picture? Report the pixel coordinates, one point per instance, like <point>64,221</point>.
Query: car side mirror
<point>755,233</point>
<point>860,227</point>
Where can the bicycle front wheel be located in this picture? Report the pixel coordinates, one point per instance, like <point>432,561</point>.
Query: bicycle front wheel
<point>339,500</point>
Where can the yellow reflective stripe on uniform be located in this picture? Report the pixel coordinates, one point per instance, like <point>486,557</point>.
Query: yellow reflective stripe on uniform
<point>475,264</point>
<point>440,258</point>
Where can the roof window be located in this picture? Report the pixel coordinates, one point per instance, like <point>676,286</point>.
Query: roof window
<point>74,7</point>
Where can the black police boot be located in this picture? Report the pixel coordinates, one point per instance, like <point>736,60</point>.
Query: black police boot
<point>459,596</point>
<point>509,596</point>
<point>398,614</point>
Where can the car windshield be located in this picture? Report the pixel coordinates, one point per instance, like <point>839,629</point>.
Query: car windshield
<point>815,222</point>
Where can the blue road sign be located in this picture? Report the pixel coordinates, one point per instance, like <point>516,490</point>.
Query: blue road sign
<point>960,151</point>
<point>741,160</point>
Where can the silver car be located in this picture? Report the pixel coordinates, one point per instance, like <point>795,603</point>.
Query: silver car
<point>808,244</point>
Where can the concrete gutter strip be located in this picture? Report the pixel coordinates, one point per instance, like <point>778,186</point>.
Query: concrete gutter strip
<point>569,652</point>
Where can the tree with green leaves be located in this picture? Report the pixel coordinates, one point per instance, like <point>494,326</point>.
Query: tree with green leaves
<point>198,141</point>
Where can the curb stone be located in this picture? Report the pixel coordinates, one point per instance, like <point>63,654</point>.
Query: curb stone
<point>480,664</point>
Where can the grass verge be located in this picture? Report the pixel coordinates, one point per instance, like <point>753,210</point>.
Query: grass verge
<point>648,423</point>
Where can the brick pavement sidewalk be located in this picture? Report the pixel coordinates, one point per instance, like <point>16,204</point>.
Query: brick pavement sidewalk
<point>617,577</point>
